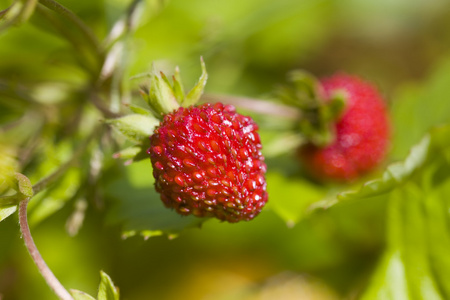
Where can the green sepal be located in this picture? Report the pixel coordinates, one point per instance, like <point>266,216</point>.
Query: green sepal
<point>194,95</point>
<point>79,295</point>
<point>304,90</point>
<point>7,211</point>
<point>107,290</point>
<point>164,97</point>
<point>23,185</point>
<point>318,113</point>
<point>24,189</point>
<point>140,110</point>
<point>134,153</point>
<point>160,96</point>
<point>135,127</point>
<point>128,153</point>
<point>178,88</point>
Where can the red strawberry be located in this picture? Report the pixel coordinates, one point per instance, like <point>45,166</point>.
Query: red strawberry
<point>207,162</point>
<point>361,133</point>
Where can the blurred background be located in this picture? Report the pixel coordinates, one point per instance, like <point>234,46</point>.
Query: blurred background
<point>249,47</point>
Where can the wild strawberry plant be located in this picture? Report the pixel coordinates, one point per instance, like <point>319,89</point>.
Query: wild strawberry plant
<point>94,144</point>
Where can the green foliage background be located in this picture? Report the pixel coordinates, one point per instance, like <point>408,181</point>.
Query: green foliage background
<point>386,239</point>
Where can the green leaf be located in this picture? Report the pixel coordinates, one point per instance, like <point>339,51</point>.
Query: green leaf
<point>394,175</point>
<point>415,264</point>
<point>138,207</point>
<point>54,198</point>
<point>291,198</point>
<point>79,295</point>
<point>194,95</point>
<point>389,281</point>
<point>107,290</point>
<point>7,211</point>
<point>417,108</point>
<point>135,127</point>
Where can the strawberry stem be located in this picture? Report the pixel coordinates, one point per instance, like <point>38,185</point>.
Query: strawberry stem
<point>45,271</point>
<point>255,105</point>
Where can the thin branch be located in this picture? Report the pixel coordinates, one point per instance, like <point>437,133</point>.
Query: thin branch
<point>67,13</point>
<point>48,275</point>
<point>45,271</point>
<point>45,182</point>
<point>101,106</point>
<point>255,105</point>
<point>50,179</point>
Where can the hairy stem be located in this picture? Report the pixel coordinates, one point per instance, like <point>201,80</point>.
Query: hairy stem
<point>256,105</point>
<point>45,271</point>
<point>48,275</point>
<point>84,29</point>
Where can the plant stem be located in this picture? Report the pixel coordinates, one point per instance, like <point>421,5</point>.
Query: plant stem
<point>48,275</point>
<point>45,182</point>
<point>45,271</point>
<point>65,12</point>
<point>256,105</point>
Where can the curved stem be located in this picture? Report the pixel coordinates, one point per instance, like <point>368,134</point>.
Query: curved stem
<point>65,12</point>
<point>48,275</point>
<point>256,105</point>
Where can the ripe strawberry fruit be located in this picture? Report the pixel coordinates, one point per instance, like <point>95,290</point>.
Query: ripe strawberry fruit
<point>207,162</point>
<point>361,133</point>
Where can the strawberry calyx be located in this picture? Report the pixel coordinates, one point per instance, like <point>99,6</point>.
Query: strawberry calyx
<point>162,97</point>
<point>318,111</point>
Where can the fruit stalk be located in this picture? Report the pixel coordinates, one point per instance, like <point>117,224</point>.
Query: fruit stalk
<point>255,105</point>
<point>45,271</point>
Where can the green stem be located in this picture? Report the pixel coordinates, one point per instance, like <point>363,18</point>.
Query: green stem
<point>45,271</point>
<point>50,179</point>
<point>28,10</point>
<point>11,200</point>
<point>255,105</point>
<point>84,29</point>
